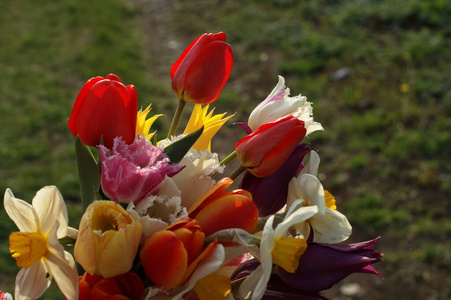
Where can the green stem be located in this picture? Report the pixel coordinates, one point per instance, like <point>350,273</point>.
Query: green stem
<point>176,119</point>
<point>228,158</point>
<point>237,172</point>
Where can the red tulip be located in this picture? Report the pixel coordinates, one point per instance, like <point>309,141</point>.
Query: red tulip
<point>122,287</point>
<point>265,150</point>
<point>104,108</point>
<point>200,73</point>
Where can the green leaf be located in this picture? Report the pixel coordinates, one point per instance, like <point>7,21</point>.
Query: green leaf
<point>88,173</point>
<point>176,151</point>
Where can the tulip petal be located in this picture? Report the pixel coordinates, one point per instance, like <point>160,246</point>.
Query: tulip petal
<point>217,189</point>
<point>65,274</point>
<point>22,213</point>
<point>270,193</point>
<point>164,259</point>
<point>32,282</point>
<point>50,207</point>
<point>233,211</point>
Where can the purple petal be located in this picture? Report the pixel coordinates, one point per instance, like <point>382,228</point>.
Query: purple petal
<point>270,193</point>
<point>323,265</point>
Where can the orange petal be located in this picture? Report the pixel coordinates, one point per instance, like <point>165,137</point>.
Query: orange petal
<point>104,289</point>
<point>232,211</point>
<point>164,259</point>
<point>215,191</point>
<point>194,264</point>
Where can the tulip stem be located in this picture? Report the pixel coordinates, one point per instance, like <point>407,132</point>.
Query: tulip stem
<point>237,172</point>
<point>228,158</point>
<point>176,119</point>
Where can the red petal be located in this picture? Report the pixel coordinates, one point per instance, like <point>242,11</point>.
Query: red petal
<point>164,259</point>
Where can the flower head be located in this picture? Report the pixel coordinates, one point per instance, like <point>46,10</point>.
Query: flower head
<point>36,247</point>
<point>104,109</point>
<point>266,149</point>
<point>143,125</point>
<point>212,123</point>
<point>108,239</point>
<point>200,73</point>
<point>132,172</point>
<point>279,104</point>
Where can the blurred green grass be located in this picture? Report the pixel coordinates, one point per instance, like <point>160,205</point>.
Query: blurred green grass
<point>386,149</point>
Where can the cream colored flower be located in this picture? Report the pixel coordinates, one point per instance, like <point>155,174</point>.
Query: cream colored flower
<point>279,104</point>
<point>36,247</point>
<point>108,239</point>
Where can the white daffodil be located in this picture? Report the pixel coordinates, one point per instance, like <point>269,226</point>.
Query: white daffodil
<point>329,225</point>
<point>36,247</point>
<point>279,248</point>
<point>279,104</point>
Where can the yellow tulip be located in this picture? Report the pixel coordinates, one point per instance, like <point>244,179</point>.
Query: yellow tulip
<point>108,239</point>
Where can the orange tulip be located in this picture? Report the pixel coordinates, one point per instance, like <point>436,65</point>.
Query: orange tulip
<point>266,149</point>
<point>218,209</point>
<point>170,256</point>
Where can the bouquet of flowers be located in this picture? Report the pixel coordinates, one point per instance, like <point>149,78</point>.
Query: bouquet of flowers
<point>157,224</point>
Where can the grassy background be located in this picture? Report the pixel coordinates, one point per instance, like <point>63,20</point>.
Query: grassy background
<point>386,149</point>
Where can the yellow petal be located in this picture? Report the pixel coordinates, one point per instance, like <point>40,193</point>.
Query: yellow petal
<point>213,287</point>
<point>143,125</point>
<point>27,247</point>
<point>330,200</point>
<point>212,124</point>
<point>287,252</point>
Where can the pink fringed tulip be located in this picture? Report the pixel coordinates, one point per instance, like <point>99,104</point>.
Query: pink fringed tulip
<point>170,256</point>
<point>200,73</point>
<point>266,149</point>
<point>104,108</point>
<point>132,172</point>
<point>218,209</point>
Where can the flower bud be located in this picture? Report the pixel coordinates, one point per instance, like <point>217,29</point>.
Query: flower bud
<point>170,256</point>
<point>200,73</point>
<point>265,150</point>
<point>108,239</point>
<point>104,108</point>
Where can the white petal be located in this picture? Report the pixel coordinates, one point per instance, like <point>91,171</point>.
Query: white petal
<point>64,272</point>
<point>313,192</point>
<point>21,212</point>
<point>294,192</point>
<point>249,284</point>
<point>206,267</point>
<point>333,228</point>
<point>50,206</point>
<point>312,165</point>
<point>300,215</point>
<point>31,283</point>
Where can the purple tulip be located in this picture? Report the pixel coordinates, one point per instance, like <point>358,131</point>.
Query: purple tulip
<point>270,193</point>
<point>323,265</point>
<point>276,288</point>
<point>132,172</point>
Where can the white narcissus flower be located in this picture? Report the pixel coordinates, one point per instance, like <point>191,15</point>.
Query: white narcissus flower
<point>277,248</point>
<point>279,104</point>
<point>329,225</point>
<point>36,247</point>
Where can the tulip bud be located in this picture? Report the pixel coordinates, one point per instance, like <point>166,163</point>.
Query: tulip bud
<point>323,265</point>
<point>200,73</point>
<point>104,108</point>
<point>170,256</point>
<point>108,239</point>
<point>265,150</point>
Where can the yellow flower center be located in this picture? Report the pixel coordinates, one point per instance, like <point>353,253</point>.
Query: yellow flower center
<point>107,215</point>
<point>287,252</point>
<point>330,200</point>
<point>27,247</point>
